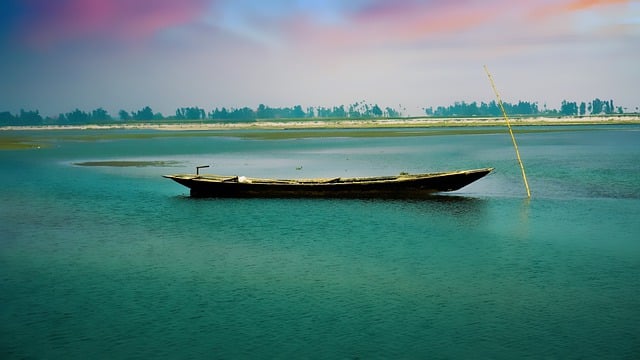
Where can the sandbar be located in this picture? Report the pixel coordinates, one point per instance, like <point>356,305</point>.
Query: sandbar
<point>417,122</point>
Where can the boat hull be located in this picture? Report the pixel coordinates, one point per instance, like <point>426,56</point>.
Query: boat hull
<point>403,186</point>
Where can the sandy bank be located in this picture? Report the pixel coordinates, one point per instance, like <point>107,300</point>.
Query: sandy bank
<point>338,124</point>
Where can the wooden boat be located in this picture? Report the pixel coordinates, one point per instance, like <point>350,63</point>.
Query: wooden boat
<point>400,186</point>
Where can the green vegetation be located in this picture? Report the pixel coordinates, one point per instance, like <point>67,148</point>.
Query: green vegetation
<point>18,140</point>
<point>17,143</point>
<point>356,111</point>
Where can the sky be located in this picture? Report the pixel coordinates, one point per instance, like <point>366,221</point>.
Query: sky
<point>406,54</point>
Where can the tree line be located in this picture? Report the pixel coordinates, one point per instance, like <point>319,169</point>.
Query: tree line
<point>525,108</point>
<point>357,110</point>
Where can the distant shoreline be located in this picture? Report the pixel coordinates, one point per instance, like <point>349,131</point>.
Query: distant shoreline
<point>343,123</point>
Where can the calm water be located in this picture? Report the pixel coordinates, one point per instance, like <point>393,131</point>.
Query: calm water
<point>116,262</point>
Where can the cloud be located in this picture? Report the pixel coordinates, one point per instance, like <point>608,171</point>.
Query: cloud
<point>564,7</point>
<point>379,23</point>
<point>587,20</point>
<point>586,4</point>
<point>410,23</point>
<point>44,24</point>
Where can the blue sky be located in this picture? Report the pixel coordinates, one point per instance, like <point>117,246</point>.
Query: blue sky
<point>126,54</point>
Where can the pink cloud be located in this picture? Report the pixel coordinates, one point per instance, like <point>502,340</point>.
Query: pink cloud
<point>375,22</point>
<point>52,23</point>
<point>383,22</point>
<point>405,21</point>
<point>571,6</point>
<point>585,4</point>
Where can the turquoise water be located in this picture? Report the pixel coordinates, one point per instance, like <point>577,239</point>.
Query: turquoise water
<point>117,262</point>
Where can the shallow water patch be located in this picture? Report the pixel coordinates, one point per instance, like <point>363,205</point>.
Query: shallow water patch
<point>121,163</point>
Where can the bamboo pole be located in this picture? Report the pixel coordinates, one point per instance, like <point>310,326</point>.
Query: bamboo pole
<point>513,138</point>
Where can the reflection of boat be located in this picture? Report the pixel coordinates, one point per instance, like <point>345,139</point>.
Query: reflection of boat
<point>400,186</point>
